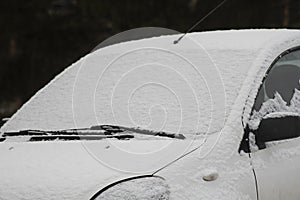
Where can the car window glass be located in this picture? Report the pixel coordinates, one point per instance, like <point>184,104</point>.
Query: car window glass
<point>278,95</point>
<point>283,78</point>
<point>280,89</point>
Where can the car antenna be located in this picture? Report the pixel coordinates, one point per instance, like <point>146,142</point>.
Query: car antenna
<point>199,21</point>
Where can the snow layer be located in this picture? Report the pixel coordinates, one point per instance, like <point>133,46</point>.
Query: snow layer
<point>295,102</point>
<point>271,105</point>
<point>281,114</point>
<point>276,107</point>
<point>241,57</point>
<point>66,170</point>
<point>151,83</point>
<point>273,47</point>
<point>151,188</point>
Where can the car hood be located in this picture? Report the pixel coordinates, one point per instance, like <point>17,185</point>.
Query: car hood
<point>78,169</point>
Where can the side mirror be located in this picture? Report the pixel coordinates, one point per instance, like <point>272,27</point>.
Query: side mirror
<point>277,126</point>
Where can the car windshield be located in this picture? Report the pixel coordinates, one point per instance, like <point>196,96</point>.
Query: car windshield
<point>191,91</point>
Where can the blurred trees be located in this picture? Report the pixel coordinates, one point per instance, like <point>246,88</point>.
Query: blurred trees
<point>40,38</point>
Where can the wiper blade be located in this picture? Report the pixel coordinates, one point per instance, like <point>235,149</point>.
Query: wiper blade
<point>23,133</point>
<point>68,134</point>
<point>97,132</point>
<point>60,132</point>
<point>79,137</point>
<point>118,129</point>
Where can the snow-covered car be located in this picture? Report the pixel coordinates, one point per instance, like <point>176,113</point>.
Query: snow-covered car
<point>64,143</point>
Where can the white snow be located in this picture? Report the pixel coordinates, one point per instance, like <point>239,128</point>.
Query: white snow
<point>271,105</point>
<point>66,170</point>
<point>273,47</point>
<point>276,108</point>
<point>252,142</point>
<point>149,188</point>
<point>241,59</point>
<point>281,114</point>
<point>150,83</point>
<point>295,102</point>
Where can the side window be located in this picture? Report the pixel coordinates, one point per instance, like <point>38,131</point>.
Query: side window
<point>283,78</point>
<point>276,112</point>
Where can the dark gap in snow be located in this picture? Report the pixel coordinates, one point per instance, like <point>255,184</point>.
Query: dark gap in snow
<point>79,137</point>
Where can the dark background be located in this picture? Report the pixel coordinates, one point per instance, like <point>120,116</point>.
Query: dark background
<point>39,38</point>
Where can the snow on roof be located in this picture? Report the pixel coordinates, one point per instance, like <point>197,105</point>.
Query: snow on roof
<point>152,83</point>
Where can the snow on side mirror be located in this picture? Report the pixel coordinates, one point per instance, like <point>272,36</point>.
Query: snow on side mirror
<point>277,126</point>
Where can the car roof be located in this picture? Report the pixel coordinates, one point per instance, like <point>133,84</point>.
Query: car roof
<point>231,52</point>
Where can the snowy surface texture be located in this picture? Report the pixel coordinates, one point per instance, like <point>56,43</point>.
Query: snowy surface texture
<point>151,188</point>
<point>281,114</point>
<point>276,108</point>
<point>66,170</point>
<point>273,47</point>
<point>241,59</point>
<point>150,88</point>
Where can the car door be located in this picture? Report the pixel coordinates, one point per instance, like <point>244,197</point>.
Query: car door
<point>275,129</point>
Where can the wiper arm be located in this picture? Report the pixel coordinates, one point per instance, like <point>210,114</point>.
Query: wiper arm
<point>59,132</point>
<point>118,129</point>
<point>23,133</point>
<point>97,132</point>
<point>68,134</point>
<point>79,137</point>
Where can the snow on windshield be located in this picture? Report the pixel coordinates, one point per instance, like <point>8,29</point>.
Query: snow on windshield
<point>206,98</point>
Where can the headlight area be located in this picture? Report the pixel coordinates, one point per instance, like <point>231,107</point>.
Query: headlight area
<point>146,187</point>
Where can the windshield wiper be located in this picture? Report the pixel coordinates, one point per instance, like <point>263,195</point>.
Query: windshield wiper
<point>118,129</point>
<point>69,134</point>
<point>79,137</point>
<point>97,132</point>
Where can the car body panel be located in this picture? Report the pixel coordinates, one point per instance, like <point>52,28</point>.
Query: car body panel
<point>277,169</point>
<point>235,176</point>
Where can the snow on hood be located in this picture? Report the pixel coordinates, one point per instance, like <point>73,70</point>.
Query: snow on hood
<point>148,83</point>
<point>68,170</point>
